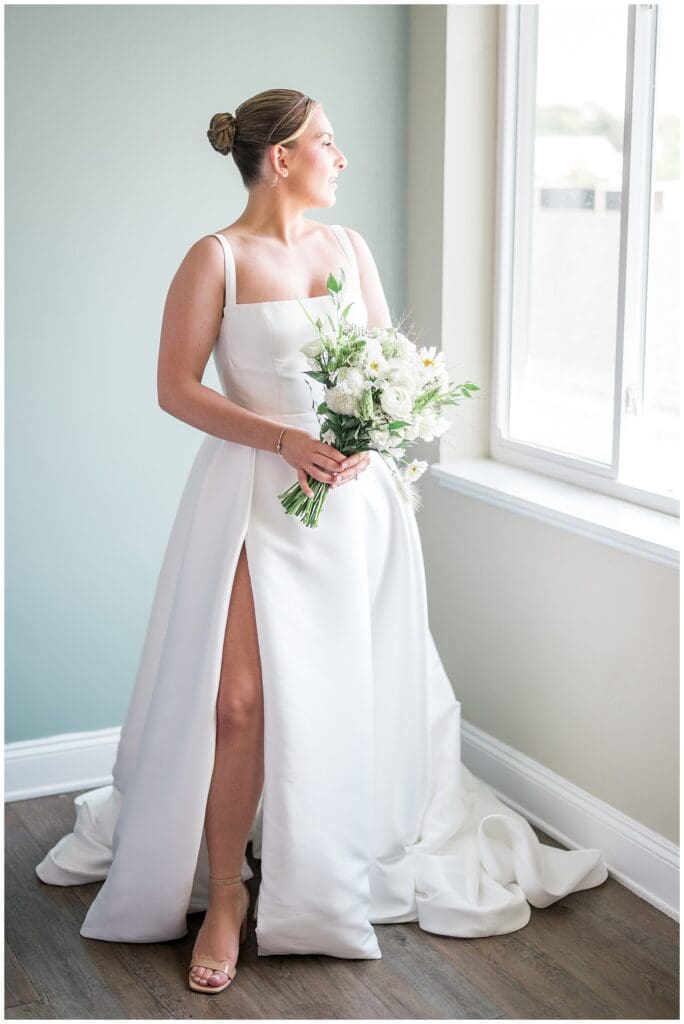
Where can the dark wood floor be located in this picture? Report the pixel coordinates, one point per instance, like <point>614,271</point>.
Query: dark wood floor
<point>602,954</point>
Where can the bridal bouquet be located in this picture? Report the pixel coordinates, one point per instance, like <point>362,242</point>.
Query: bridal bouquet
<point>382,392</point>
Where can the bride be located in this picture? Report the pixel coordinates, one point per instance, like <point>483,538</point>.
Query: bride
<point>289,690</point>
<point>278,253</point>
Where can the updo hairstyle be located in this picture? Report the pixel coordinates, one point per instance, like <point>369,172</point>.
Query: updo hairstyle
<point>270,117</point>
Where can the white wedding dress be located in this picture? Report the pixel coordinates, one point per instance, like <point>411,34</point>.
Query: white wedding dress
<point>367,815</point>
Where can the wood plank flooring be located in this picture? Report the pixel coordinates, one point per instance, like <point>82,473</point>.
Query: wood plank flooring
<point>598,954</point>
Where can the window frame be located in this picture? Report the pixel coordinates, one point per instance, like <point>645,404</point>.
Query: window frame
<point>518,33</point>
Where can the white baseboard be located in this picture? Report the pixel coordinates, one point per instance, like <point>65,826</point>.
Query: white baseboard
<point>59,764</point>
<point>643,861</point>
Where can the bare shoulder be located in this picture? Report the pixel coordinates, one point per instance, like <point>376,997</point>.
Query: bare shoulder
<point>359,243</point>
<point>371,285</point>
<point>201,270</point>
<point>208,248</point>
<point>203,258</point>
<point>196,292</point>
<point>368,270</point>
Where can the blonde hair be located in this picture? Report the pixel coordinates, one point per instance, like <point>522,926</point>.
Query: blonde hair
<point>276,116</point>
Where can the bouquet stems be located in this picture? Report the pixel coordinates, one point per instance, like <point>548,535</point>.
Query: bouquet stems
<point>297,503</point>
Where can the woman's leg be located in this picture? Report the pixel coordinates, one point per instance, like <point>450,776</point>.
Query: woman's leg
<point>237,778</point>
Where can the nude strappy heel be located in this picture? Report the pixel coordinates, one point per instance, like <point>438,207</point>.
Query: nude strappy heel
<point>225,966</point>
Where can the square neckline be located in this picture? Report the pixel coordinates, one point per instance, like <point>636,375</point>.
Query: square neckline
<point>274,302</point>
<point>228,249</point>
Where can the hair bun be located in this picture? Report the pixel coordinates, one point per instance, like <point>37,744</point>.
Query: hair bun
<point>221,132</point>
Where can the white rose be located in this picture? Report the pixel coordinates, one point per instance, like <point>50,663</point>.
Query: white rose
<point>401,374</point>
<point>396,401</point>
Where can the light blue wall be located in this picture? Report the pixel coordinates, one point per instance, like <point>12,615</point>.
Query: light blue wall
<point>109,180</point>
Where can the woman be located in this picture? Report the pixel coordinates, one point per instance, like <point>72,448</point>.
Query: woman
<point>289,690</point>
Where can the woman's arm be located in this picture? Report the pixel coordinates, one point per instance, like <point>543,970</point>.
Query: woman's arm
<point>190,325</point>
<point>371,286</point>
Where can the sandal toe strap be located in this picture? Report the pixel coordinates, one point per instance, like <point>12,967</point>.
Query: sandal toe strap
<point>217,965</point>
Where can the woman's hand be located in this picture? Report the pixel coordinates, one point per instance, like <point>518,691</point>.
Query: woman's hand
<point>322,461</point>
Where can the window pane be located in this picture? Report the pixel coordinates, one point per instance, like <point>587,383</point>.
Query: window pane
<point>661,366</point>
<point>568,235</point>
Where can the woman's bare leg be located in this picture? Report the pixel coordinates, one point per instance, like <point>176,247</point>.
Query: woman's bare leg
<point>237,778</point>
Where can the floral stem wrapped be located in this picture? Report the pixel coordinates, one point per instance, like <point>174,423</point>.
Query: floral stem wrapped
<point>376,391</point>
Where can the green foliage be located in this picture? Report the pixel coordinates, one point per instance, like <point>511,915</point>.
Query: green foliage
<point>559,119</point>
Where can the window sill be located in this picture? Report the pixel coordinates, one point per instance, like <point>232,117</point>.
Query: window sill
<point>612,521</point>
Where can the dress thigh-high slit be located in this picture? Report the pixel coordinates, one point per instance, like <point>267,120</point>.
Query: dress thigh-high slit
<point>237,777</point>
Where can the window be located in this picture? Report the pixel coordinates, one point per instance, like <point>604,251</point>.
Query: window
<point>586,364</point>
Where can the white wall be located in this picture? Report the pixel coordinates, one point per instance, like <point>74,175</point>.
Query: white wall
<point>110,178</point>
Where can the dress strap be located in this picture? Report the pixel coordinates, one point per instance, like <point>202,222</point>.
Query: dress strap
<point>231,274</point>
<point>347,249</point>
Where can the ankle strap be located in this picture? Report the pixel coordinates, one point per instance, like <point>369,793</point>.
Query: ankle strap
<point>228,880</point>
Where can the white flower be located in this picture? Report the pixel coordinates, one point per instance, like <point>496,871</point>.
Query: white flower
<point>405,347</point>
<point>374,361</point>
<point>396,401</point>
<point>394,344</point>
<point>351,379</point>
<point>380,438</point>
<point>431,358</point>
<point>411,432</point>
<point>341,400</point>
<point>432,367</point>
<point>313,348</point>
<point>415,469</point>
<point>427,421</point>
<point>329,437</point>
<point>401,373</point>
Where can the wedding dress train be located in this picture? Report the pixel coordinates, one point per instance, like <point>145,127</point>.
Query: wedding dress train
<point>367,815</point>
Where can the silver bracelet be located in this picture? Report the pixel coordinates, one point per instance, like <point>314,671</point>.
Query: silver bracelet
<point>278,443</point>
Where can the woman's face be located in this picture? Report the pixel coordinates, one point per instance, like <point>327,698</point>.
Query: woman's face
<point>314,162</point>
